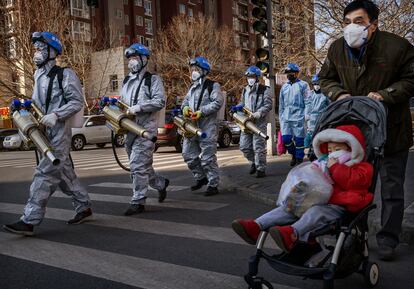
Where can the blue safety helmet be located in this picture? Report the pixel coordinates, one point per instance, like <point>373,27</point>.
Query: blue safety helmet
<point>49,38</point>
<point>200,62</point>
<point>315,78</point>
<point>253,71</point>
<point>137,49</point>
<point>292,67</point>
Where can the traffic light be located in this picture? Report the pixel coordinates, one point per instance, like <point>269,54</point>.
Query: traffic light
<point>260,25</point>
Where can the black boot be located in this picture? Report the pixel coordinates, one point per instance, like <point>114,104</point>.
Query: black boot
<point>299,161</point>
<point>293,161</point>
<point>81,217</point>
<point>134,209</point>
<point>211,191</point>
<point>199,184</point>
<point>162,194</point>
<point>252,169</point>
<point>260,174</point>
<point>20,228</point>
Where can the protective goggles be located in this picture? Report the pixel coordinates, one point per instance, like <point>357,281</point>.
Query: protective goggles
<point>129,52</point>
<point>37,36</point>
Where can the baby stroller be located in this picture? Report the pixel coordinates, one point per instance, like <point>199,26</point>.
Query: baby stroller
<point>350,252</point>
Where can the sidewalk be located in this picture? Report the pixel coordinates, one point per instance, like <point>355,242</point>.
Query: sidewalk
<point>235,177</point>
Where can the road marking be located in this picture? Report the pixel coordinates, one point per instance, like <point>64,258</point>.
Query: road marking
<point>134,271</point>
<point>168,203</point>
<point>129,186</point>
<point>165,228</point>
<point>183,164</point>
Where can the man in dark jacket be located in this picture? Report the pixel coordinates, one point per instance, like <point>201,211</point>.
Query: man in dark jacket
<point>379,65</point>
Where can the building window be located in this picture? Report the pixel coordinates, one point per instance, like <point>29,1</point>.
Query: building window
<point>190,12</point>
<point>119,14</point>
<point>141,39</point>
<point>149,43</point>
<point>139,20</point>
<point>148,8</point>
<point>81,30</point>
<point>113,82</point>
<point>148,26</point>
<point>126,2</point>
<point>138,2</point>
<point>79,8</point>
<point>126,19</point>
<point>181,8</point>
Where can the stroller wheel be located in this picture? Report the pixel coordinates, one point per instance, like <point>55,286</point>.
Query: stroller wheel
<point>260,283</point>
<point>371,274</point>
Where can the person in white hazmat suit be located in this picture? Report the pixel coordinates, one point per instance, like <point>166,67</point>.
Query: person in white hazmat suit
<point>256,98</point>
<point>144,93</point>
<point>202,103</point>
<point>58,93</point>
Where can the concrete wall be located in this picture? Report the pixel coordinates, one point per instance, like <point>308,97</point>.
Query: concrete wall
<point>104,64</point>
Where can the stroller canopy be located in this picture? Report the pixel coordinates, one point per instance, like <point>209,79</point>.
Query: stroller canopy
<point>368,114</point>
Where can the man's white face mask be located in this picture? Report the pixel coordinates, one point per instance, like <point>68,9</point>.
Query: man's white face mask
<point>316,87</point>
<point>356,35</point>
<point>41,53</point>
<point>251,81</point>
<point>195,75</point>
<point>134,65</point>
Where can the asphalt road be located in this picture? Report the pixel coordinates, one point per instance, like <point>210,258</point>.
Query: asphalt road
<point>184,243</point>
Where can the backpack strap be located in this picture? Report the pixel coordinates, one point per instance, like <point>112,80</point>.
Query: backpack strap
<point>147,79</point>
<point>260,92</point>
<point>55,70</point>
<point>208,84</point>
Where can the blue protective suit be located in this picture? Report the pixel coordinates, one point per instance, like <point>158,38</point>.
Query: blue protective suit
<point>292,100</point>
<point>315,105</point>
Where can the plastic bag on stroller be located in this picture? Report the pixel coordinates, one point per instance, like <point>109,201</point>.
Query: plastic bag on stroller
<point>306,185</point>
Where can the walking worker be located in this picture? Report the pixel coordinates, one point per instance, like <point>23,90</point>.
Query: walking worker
<point>292,99</point>
<point>316,104</point>
<point>202,103</point>
<point>144,93</point>
<point>256,98</point>
<point>58,93</point>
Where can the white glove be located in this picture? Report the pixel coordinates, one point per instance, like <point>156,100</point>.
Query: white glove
<point>134,109</point>
<point>49,119</point>
<point>256,115</point>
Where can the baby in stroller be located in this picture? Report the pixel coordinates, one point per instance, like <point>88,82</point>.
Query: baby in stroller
<point>341,153</point>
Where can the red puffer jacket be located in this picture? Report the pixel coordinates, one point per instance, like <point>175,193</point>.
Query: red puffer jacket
<point>351,185</point>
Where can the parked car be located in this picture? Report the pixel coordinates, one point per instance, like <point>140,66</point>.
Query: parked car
<point>15,142</point>
<point>168,135</point>
<point>94,131</point>
<point>4,132</point>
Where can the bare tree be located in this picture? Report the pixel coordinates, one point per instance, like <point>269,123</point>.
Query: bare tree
<point>186,38</point>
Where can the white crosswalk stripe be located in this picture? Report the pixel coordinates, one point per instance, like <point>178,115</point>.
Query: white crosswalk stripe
<point>120,268</point>
<point>84,161</point>
<point>143,272</point>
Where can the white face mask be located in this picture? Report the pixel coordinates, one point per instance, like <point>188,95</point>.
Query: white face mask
<point>195,75</point>
<point>134,65</point>
<point>251,81</point>
<point>40,57</point>
<point>355,35</point>
<point>316,87</point>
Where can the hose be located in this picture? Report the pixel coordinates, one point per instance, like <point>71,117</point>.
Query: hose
<point>115,153</point>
